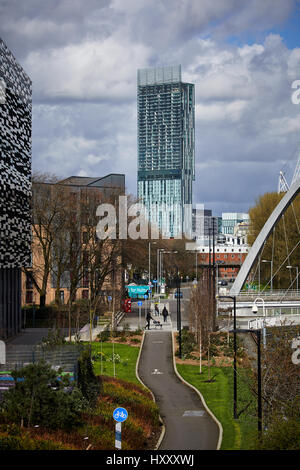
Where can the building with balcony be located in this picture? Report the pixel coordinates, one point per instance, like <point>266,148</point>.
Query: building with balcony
<point>166,147</point>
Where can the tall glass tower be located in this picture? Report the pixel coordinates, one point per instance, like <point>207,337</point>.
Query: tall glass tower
<point>166,146</point>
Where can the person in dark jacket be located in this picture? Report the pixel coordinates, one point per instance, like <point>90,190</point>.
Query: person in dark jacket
<point>165,313</point>
<point>148,318</point>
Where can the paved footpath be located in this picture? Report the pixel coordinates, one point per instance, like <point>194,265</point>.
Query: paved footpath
<point>188,425</point>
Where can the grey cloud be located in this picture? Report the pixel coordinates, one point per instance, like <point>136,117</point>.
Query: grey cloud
<point>83,58</point>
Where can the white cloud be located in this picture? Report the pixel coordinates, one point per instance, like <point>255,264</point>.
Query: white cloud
<point>92,70</point>
<point>83,58</point>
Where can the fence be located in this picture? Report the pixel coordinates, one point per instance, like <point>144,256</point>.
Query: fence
<point>64,357</point>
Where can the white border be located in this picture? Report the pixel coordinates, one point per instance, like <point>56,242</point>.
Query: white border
<point>138,377</point>
<point>201,397</point>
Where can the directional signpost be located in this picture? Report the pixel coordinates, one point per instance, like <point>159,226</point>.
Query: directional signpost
<point>119,415</point>
<point>140,303</point>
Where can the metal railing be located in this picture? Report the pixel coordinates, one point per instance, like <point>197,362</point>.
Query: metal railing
<point>270,294</point>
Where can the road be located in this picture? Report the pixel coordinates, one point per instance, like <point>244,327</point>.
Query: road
<point>188,425</point>
<point>132,319</point>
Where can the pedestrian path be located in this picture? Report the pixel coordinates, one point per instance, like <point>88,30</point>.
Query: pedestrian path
<point>188,426</point>
<point>163,325</point>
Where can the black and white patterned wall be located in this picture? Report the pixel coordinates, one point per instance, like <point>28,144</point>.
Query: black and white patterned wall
<point>15,162</point>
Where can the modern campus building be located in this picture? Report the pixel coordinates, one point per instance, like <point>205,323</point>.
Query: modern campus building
<point>204,224</point>
<point>15,187</point>
<point>82,195</point>
<point>231,219</point>
<point>166,147</point>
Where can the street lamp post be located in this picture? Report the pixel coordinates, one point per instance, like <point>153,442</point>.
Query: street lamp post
<point>178,312</point>
<point>161,253</point>
<point>158,268</point>
<point>234,352</point>
<point>149,271</point>
<point>297,273</point>
<point>270,261</point>
<point>255,310</point>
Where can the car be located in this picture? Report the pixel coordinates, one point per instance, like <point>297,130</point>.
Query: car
<point>180,295</point>
<point>224,283</point>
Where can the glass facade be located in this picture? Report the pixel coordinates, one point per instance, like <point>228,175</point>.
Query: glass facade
<point>166,145</point>
<point>231,219</point>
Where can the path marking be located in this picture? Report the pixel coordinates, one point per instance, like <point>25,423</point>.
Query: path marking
<point>193,413</point>
<point>156,372</point>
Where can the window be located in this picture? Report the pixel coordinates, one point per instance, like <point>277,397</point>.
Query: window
<point>84,237</point>
<point>29,282</point>
<point>29,296</point>
<point>85,279</point>
<point>85,294</point>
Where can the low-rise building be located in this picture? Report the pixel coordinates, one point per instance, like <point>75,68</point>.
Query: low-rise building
<point>71,253</point>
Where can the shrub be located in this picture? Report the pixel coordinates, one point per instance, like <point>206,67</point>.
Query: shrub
<point>34,399</point>
<point>187,342</point>
<point>88,383</point>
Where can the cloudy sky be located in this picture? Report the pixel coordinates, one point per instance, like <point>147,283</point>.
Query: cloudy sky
<point>242,55</point>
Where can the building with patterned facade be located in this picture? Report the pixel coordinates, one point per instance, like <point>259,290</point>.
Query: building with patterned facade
<point>15,187</point>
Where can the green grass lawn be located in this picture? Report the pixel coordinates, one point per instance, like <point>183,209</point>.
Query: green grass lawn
<point>125,360</point>
<point>218,395</point>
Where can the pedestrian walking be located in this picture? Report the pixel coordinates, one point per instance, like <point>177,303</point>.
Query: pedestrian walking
<point>165,313</point>
<point>148,318</point>
<point>156,309</point>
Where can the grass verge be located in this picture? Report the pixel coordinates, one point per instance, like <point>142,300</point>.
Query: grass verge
<point>218,395</point>
<point>125,360</point>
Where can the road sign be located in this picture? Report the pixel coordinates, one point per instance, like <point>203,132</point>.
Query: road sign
<point>109,298</point>
<point>118,436</point>
<point>120,415</point>
<point>140,303</point>
<point>145,296</point>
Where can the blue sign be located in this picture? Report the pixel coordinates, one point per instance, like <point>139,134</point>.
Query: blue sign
<point>120,415</point>
<point>136,292</point>
<point>154,280</point>
<point>140,303</point>
<point>145,296</point>
<point>109,298</point>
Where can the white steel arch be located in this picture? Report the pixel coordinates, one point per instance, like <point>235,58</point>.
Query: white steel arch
<point>262,237</point>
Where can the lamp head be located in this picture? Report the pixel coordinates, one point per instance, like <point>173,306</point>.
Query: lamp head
<point>254,308</point>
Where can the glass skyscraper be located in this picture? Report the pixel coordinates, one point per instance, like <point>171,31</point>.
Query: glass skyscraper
<point>166,146</point>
